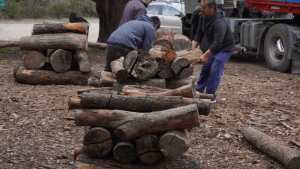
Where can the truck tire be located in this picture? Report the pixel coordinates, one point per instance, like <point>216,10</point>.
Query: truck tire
<point>278,46</point>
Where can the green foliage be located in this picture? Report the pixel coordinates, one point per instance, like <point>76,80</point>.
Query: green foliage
<point>48,8</point>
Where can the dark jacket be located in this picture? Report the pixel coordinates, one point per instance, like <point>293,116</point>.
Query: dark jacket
<point>133,9</point>
<point>195,22</point>
<point>214,33</point>
<point>136,34</point>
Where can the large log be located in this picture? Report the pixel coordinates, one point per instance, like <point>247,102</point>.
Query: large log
<point>68,41</point>
<point>97,142</point>
<point>134,103</point>
<point>144,68</point>
<point>124,152</point>
<point>82,60</point>
<point>176,83</point>
<point>119,71</point>
<point>97,45</point>
<point>181,42</point>
<point>34,59</point>
<point>164,70</point>
<point>185,72</point>
<point>289,157</point>
<point>45,77</point>
<point>174,144</point>
<point>179,64</point>
<point>45,28</point>
<point>193,56</point>
<point>147,148</point>
<point>130,125</point>
<point>61,60</point>
<point>160,52</point>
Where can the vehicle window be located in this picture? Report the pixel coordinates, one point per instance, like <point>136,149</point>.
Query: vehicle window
<point>170,11</point>
<point>154,10</point>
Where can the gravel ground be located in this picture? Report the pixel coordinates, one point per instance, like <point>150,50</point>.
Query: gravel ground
<point>35,131</point>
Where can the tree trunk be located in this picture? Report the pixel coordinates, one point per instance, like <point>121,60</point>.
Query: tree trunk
<point>174,144</point>
<point>148,149</point>
<point>34,59</point>
<point>82,60</point>
<point>6,43</point>
<point>185,73</point>
<point>134,103</point>
<point>124,152</point>
<point>119,71</point>
<point>130,125</point>
<point>45,77</point>
<point>179,64</point>
<point>49,28</point>
<point>97,142</point>
<point>164,70</point>
<point>181,42</point>
<point>285,155</point>
<point>61,60</point>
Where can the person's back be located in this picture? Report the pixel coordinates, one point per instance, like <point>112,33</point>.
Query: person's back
<point>133,9</point>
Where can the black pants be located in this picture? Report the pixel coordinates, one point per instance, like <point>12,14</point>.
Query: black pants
<point>114,52</point>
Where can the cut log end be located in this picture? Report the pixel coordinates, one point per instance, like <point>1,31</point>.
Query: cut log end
<point>124,152</point>
<point>61,60</point>
<point>148,149</point>
<point>294,163</point>
<point>34,59</point>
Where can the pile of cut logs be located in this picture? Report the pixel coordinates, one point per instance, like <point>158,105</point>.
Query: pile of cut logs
<point>137,123</point>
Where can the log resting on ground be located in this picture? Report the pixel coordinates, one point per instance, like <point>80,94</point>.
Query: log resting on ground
<point>176,83</point>
<point>179,64</point>
<point>82,60</point>
<point>45,28</point>
<point>34,59</point>
<point>124,152</point>
<point>185,72</point>
<point>130,125</point>
<point>289,157</point>
<point>148,150</point>
<point>61,60</point>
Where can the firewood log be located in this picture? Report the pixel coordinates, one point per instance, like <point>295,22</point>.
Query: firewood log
<point>179,64</point>
<point>61,60</point>
<point>176,83</point>
<point>181,42</point>
<point>185,72</point>
<point>68,41</point>
<point>134,103</point>
<point>164,70</point>
<point>148,149</point>
<point>34,59</point>
<point>130,125</point>
<point>82,60</point>
<point>174,144</point>
<point>119,71</point>
<point>124,152</point>
<point>193,56</point>
<point>45,28</point>
<point>289,157</point>
<point>97,142</point>
<point>97,45</point>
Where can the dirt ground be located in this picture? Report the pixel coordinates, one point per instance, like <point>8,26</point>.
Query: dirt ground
<point>35,132</point>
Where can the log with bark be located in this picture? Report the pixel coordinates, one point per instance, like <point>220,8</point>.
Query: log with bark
<point>119,71</point>
<point>97,45</point>
<point>134,103</point>
<point>193,56</point>
<point>181,42</point>
<point>130,125</point>
<point>124,152</point>
<point>160,52</point>
<point>68,41</point>
<point>82,60</point>
<point>185,72</point>
<point>289,157</point>
<point>34,59</point>
<point>176,83</point>
<point>97,142</point>
<point>49,28</point>
<point>148,150</point>
<point>174,144</point>
<point>61,60</point>
<point>164,70</point>
<point>179,64</point>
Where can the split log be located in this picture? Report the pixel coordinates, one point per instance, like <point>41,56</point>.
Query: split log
<point>176,83</point>
<point>68,41</point>
<point>179,64</point>
<point>290,158</point>
<point>174,144</point>
<point>119,71</point>
<point>45,28</point>
<point>148,149</point>
<point>134,103</point>
<point>130,125</point>
<point>97,45</point>
<point>164,70</point>
<point>193,56</point>
<point>82,60</point>
<point>144,68</point>
<point>34,59</point>
<point>97,143</point>
<point>61,60</point>
<point>160,52</point>
<point>181,42</point>
<point>45,77</point>
<point>185,73</point>
<point>124,152</point>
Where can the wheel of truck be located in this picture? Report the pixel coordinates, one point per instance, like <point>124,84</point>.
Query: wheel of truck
<point>278,47</point>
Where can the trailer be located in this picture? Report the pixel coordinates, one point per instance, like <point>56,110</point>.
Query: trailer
<point>268,29</point>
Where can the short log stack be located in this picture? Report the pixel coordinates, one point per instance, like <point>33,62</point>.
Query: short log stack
<point>55,53</point>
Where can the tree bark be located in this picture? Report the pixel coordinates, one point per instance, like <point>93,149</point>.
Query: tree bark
<point>185,72</point>
<point>290,158</point>
<point>134,103</point>
<point>49,28</point>
<point>148,149</point>
<point>119,71</point>
<point>45,77</point>
<point>130,125</point>
<point>124,152</point>
<point>174,144</point>
<point>179,64</point>
<point>34,59</point>
<point>61,60</point>
<point>82,60</point>
<point>164,70</point>
<point>97,142</point>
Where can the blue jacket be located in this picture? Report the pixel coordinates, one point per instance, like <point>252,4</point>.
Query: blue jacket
<point>133,9</point>
<point>136,34</point>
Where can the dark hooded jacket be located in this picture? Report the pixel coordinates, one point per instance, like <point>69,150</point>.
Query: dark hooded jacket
<point>133,9</point>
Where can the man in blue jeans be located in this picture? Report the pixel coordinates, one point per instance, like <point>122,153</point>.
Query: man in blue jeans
<point>216,41</point>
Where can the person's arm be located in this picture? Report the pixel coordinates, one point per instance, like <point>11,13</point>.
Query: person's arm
<point>149,38</point>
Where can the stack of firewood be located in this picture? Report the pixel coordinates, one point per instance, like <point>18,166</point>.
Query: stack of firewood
<point>55,53</point>
<point>135,124</point>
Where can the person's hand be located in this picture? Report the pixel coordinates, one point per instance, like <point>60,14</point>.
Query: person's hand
<point>204,58</point>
